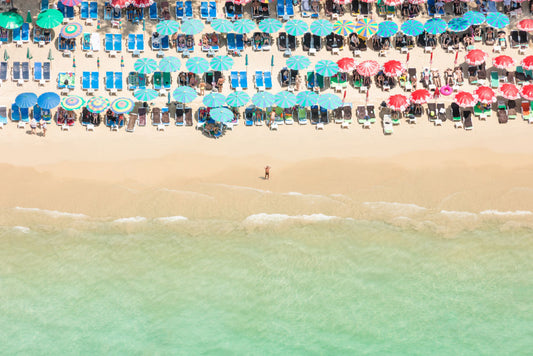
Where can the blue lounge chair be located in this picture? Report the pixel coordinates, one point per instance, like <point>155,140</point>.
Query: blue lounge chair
<point>157,80</point>
<point>108,42</point>
<point>46,71</point>
<point>44,5</point>
<point>109,81</point>
<point>61,8</point>
<point>25,32</point>
<point>84,10</point>
<point>24,114</point>
<point>38,71</point>
<point>165,45</point>
<point>86,80</point>
<point>180,10</point>
<point>16,35</point>
<point>281,8</point>
<point>37,113</point>
<point>15,113</point>
<point>93,10</point>
<point>267,76</point>
<point>259,82</point>
<point>234,80</point>
<point>108,13</point>
<point>16,71</point>
<point>142,81</point>
<point>117,14</point>
<point>239,43</point>
<point>118,81</point>
<point>204,9</point>
<point>3,115</point>
<point>431,8</point>
<point>131,42</point>
<point>156,43</point>
<point>69,12</point>
<point>153,12</point>
<point>243,80</point>
<point>289,8</point>
<point>86,42</point>
<point>95,82</point>
<point>231,42</point>
<point>4,36</point>
<point>25,68</point>
<point>492,6</point>
<point>133,80</point>
<point>3,71</point>
<point>213,10</point>
<point>117,42</point>
<point>188,9</point>
<point>139,43</point>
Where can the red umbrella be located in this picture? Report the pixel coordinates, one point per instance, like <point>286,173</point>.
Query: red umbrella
<point>525,25</point>
<point>527,92</point>
<point>527,63</point>
<point>417,2</point>
<point>485,94</point>
<point>393,68</point>
<point>120,3</point>
<point>509,91</point>
<point>420,96</point>
<point>368,68</point>
<point>465,99</point>
<point>241,2</point>
<point>503,61</point>
<point>398,102</point>
<point>476,57</point>
<point>369,1</point>
<point>142,3</point>
<point>346,64</point>
<point>342,2</point>
<point>393,2</point>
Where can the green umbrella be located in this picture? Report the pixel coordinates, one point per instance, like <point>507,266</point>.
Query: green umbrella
<point>329,101</point>
<point>184,94</point>
<point>10,20</point>
<point>321,27</point>
<point>192,27</point>
<point>326,68</point>
<point>28,54</point>
<point>49,18</point>
<point>474,17</point>
<point>458,24</point>
<point>221,115</point>
<point>145,65</point>
<point>28,17</point>
<point>145,94</point>
<point>214,100</point>
<point>412,27</point>
<point>50,57</point>
<point>270,25</point>
<point>169,64</point>
<point>285,99</point>
<point>243,26</point>
<point>298,62</point>
<point>435,26</point>
<point>222,25</point>
<point>263,99</point>
<point>6,56</point>
<point>307,98</point>
<point>387,29</point>
<point>98,104</point>
<point>497,20</point>
<point>167,27</point>
<point>237,98</point>
<point>221,63</point>
<point>296,27</point>
<point>197,65</point>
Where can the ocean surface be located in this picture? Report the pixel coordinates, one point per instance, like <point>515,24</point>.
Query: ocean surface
<point>270,284</point>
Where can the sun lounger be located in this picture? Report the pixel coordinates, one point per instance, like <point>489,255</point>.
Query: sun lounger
<point>25,68</point>
<point>16,36</point>
<point>3,71</point>
<point>165,45</point>
<point>179,117</point>
<point>281,8</point>
<point>107,13</point>
<point>165,116</point>
<point>432,111</point>
<point>239,44</point>
<point>387,125</point>
<point>258,79</point>
<point>3,116</point>
<point>108,44</point>
<point>234,79</point>
<point>315,115</point>
<point>93,10</point>
<point>46,71</point>
<point>16,74</point>
<point>84,10</point>
<point>204,9</point>
<point>15,113</point>
<point>86,80</point>
<point>231,43</point>
<point>157,80</point>
<point>188,10</point>
<point>131,42</point>
<point>139,42</point>
<point>117,43</point>
<point>37,113</point>
<point>249,116</point>
<point>188,116</point>
<point>267,77</point>
<point>526,110</point>
<point>142,116</point>
<point>502,113</point>
<point>110,81</point>
<point>494,79</point>
<point>243,80</point>
<point>38,71</point>
<point>467,120</point>
<point>180,10</point>
<point>44,5</point>
<point>212,10</point>
<point>156,116</point>
<point>441,112</point>
<point>95,82</point>
<point>153,12</point>
<point>131,122</point>
<point>511,109</point>
<point>24,114</point>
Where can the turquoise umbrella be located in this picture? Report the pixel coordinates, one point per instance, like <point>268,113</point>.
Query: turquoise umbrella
<point>307,98</point>
<point>197,65</point>
<point>169,64</point>
<point>298,62</point>
<point>296,27</point>
<point>435,26</point>
<point>167,27</point>
<point>192,27</point>
<point>10,20</point>
<point>214,100</point>
<point>237,98</point>
<point>329,101</point>
<point>474,17</point>
<point>145,94</point>
<point>263,99</point>
<point>387,29</point>
<point>412,27</point>
<point>221,63</point>
<point>221,115</point>
<point>321,27</point>
<point>243,26</point>
<point>497,20</point>
<point>270,25</point>
<point>145,65</point>
<point>222,25</point>
<point>458,24</point>
<point>326,68</point>
<point>184,94</point>
<point>285,99</point>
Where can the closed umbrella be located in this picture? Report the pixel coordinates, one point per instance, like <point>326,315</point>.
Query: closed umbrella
<point>509,91</point>
<point>329,101</point>
<point>97,104</point>
<point>48,100</point>
<point>476,57</point>
<point>222,25</point>
<point>145,65</point>
<point>393,68</point>
<point>346,64</point>
<point>10,20</point>
<point>326,68</point>
<point>458,24</point>
<point>527,92</point>
<point>145,94</point>
<point>122,105</point>
<point>184,94</point>
<point>298,62</point>
<point>368,68</point>
<point>243,26</point>
<point>270,25</point>
<point>221,63</point>
<point>192,26</point>
<point>366,27</point>
<point>307,98</point>
<point>221,115</point>
<point>527,63</point>
<point>28,17</point>
<point>167,27</point>
<point>6,56</point>
<point>525,25</point>
<point>420,96</point>
<point>197,65</point>
<point>435,26</point>
<point>503,62</point>
<point>72,102</point>
<point>285,99</point>
<point>321,27</point>
<point>169,64</point>
<point>398,102</point>
<point>49,18</point>
<point>263,99</point>
<point>465,99</point>
<point>387,29</point>
<point>296,27</point>
<point>71,30</point>
<point>26,100</point>
<point>343,27</point>
<point>214,100</point>
<point>237,98</point>
<point>474,17</point>
<point>497,20</point>
<point>412,27</point>
<point>485,94</point>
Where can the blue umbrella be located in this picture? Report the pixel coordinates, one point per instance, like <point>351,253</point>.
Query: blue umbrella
<point>387,29</point>
<point>458,24</point>
<point>435,26</point>
<point>329,101</point>
<point>221,115</point>
<point>214,99</point>
<point>48,100</point>
<point>26,100</point>
<point>474,17</point>
<point>497,20</point>
<point>296,27</point>
<point>263,99</point>
<point>321,27</point>
<point>412,27</point>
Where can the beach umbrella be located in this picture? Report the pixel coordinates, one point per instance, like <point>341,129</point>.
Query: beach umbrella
<point>48,100</point>
<point>145,94</point>
<point>342,2</point>
<point>485,94</point>
<point>26,100</point>
<point>321,27</point>
<point>497,20</point>
<point>270,25</point>
<point>28,17</point>
<point>503,61</point>
<point>122,105</point>
<point>527,63</point>
<point>420,96</point>
<point>326,68</point>
<point>72,102</point>
<point>474,17</point>
<point>298,62</point>
<point>398,102</point>
<point>368,68</point>
<point>393,2</point>
<point>10,20</point>
<point>145,65</point>
<point>458,24</point>
<point>214,100</point>
<point>307,98</point>
<point>509,91</point>
<point>523,25</point>
<point>329,101</point>
<point>476,57</point>
<point>366,27</point>
<point>238,98</point>
<point>526,92</point>
<point>169,64</point>
<point>296,27</point>
<point>387,29</point>
<point>263,99</point>
<point>412,27</point>
<point>221,63</point>
<point>184,94</point>
<point>197,65</point>
<point>242,2</point>
<point>192,26</point>
<point>435,26</point>
<point>393,68</point>
<point>221,115</point>
<point>6,56</point>
<point>97,104</point>
<point>71,3</point>
<point>418,2</point>
<point>243,26</point>
<point>285,99</point>
<point>343,27</point>
<point>142,3</point>
<point>369,1</point>
<point>346,64</point>
<point>465,99</point>
<point>119,4</point>
<point>49,18</point>
<point>222,25</point>
<point>72,30</point>
<point>28,54</point>
<point>167,27</point>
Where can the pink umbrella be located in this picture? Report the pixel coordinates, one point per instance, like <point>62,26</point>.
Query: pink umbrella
<point>120,3</point>
<point>346,64</point>
<point>393,68</point>
<point>393,2</point>
<point>465,99</point>
<point>398,102</point>
<point>525,25</point>
<point>368,68</point>
<point>142,3</point>
<point>417,2</point>
<point>369,1</point>
<point>503,61</point>
<point>509,91</point>
<point>485,94</point>
<point>527,63</point>
<point>527,92</point>
<point>343,2</point>
<point>476,57</point>
<point>71,2</point>
<point>420,96</point>
<point>241,2</point>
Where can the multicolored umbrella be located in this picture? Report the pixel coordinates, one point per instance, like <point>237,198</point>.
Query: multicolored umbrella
<point>70,3</point>
<point>435,26</point>
<point>412,27</point>
<point>145,65</point>
<point>49,18</point>
<point>298,62</point>
<point>393,68</point>
<point>527,63</point>
<point>509,91</point>
<point>458,24</point>
<point>296,27</point>
<point>476,57</point>
<point>368,68</point>
<point>192,26</point>
<point>197,65</point>
<point>72,102</point>
<point>465,99</point>
<point>214,100</point>
<point>398,102</point>
<point>237,98</point>
<point>387,29</point>
<point>497,20</point>
<point>169,64</point>
<point>122,105</point>
<point>10,20</point>
<point>184,94</point>
<point>145,94</point>
<point>222,25</point>
<point>243,26</point>
<point>48,100</point>
<point>142,3</point>
<point>329,101</point>
<point>72,30</point>
<point>270,25</point>
<point>525,25</point>
<point>167,27</point>
<point>97,104</point>
<point>307,98</point>
<point>263,99</point>
<point>26,100</point>
<point>527,92</point>
<point>366,27</point>
<point>346,64</point>
<point>343,27</point>
<point>485,94</point>
<point>326,68</point>
<point>503,62</point>
<point>420,96</point>
<point>221,63</point>
<point>321,27</point>
<point>221,115</point>
<point>285,99</point>
<point>474,17</point>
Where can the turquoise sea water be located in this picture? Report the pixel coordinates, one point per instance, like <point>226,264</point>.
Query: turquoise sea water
<point>343,287</point>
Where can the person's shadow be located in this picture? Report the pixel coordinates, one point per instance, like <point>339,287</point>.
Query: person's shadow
<point>262,177</point>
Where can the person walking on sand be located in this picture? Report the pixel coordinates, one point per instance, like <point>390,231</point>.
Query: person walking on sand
<point>43,127</point>
<point>33,126</point>
<point>267,172</point>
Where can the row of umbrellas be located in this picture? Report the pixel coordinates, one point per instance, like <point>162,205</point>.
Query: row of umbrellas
<point>196,65</point>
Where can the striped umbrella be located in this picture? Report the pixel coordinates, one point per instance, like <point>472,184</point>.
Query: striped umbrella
<point>142,3</point>
<point>458,24</point>
<point>420,2</point>
<point>527,62</point>
<point>420,96</point>
<point>270,25</point>
<point>329,101</point>
<point>184,94</point>
<point>145,65</point>
<point>243,26</point>
<point>298,62</point>
<point>97,104</point>
<point>285,99</point>
<point>26,100</point>
<point>343,27</point>
<point>263,99</point>
<point>119,4</point>
<point>145,94</point>
<point>485,94</point>
<point>72,102</point>
<point>346,64</point>
<point>527,92</point>
<point>398,102</point>
<point>167,27</point>
<point>197,65</point>
<point>326,68</point>
<point>368,68</point>
<point>503,62</point>
<point>342,2</point>
<point>71,2</point>
<point>525,25</point>
<point>221,63</point>
<point>474,17</point>
<point>393,68</point>
<point>366,27</point>
<point>509,91</point>
<point>307,98</point>
<point>465,99</point>
<point>321,27</point>
<point>237,98</point>
<point>49,18</point>
<point>412,27</point>
<point>71,30</point>
<point>296,27</point>
<point>393,2</point>
<point>387,29</point>
<point>48,100</point>
<point>497,20</point>
<point>192,26</point>
<point>214,100</point>
<point>476,57</point>
<point>122,105</point>
<point>169,64</point>
<point>222,25</point>
<point>435,26</point>
<point>221,115</point>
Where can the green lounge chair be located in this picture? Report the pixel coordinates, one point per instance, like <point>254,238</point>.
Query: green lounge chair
<point>166,80</point>
<point>395,118</point>
<point>494,79</point>
<point>157,80</point>
<point>478,110</point>
<point>279,115</point>
<point>320,81</point>
<point>302,116</point>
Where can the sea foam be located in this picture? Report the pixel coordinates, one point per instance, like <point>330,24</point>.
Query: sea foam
<point>53,213</point>
<point>264,218</point>
<point>171,219</point>
<point>506,213</point>
<point>133,219</point>
<point>23,229</point>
